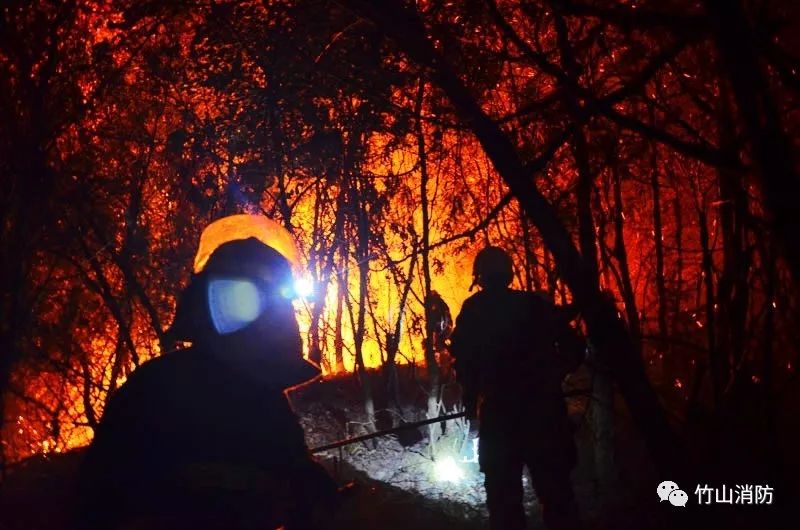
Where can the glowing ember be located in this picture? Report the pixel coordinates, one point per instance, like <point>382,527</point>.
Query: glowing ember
<point>446,470</point>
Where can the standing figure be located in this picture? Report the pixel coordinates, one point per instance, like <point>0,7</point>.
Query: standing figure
<point>512,350</point>
<point>440,325</point>
<point>204,437</point>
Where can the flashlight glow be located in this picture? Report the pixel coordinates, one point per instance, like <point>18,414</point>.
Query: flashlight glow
<point>303,287</point>
<point>446,470</point>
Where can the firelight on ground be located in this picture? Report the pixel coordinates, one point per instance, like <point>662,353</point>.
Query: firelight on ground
<point>446,470</point>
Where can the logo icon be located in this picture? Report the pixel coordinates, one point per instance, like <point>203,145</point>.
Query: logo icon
<point>665,488</point>
<point>678,498</point>
<point>669,491</point>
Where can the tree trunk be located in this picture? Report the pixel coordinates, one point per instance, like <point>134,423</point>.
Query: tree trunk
<point>717,375</point>
<point>771,150</point>
<point>362,255</point>
<point>658,236</point>
<point>677,282</point>
<point>732,288</point>
<point>393,344</point>
<point>531,273</point>
<point>432,366</point>
<point>338,341</point>
<point>315,340</point>
<point>601,410</point>
<point>621,253</point>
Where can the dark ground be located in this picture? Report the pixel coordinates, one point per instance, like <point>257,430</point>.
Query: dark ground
<point>37,493</point>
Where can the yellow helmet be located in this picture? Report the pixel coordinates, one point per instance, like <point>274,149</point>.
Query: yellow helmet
<point>244,226</point>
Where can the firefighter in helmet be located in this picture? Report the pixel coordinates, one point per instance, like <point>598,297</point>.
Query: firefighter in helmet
<point>204,436</point>
<point>512,350</point>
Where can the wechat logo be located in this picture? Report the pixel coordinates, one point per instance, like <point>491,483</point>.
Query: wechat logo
<point>669,491</point>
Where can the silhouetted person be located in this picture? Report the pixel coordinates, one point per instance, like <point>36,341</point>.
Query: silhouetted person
<point>439,325</point>
<point>438,320</point>
<point>512,350</point>
<point>204,437</point>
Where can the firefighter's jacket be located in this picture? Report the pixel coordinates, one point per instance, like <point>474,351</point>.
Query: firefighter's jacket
<point>190,434</point>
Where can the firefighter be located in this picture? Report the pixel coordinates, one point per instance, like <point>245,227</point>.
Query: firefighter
<point>204,437</point>
<point>438,319</point>
<point>439,325</point>
<point>512,350</point>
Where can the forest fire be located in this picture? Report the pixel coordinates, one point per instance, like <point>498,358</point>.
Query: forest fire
<point>636,161</point>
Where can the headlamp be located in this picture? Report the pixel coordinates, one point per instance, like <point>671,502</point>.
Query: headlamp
<point>303,288</point>
<point>234,303</point>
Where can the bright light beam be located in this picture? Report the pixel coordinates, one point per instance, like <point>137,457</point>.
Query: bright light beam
<point>446,470</point>
<point>303,287</point>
